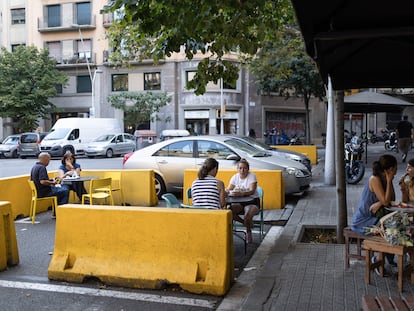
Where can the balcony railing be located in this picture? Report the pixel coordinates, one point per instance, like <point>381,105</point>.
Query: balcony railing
<point>65,25</point>
<point>79,58</point>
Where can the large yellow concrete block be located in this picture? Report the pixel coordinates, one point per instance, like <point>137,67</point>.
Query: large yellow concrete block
<point>309,150</point>
<point>144,247</point>
<point>9,254</point>
<point>270,180</point>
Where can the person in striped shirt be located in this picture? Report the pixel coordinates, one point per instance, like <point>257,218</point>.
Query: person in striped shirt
<point>207,191</point>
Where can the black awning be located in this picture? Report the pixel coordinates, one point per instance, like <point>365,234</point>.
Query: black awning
<point>360,43</point>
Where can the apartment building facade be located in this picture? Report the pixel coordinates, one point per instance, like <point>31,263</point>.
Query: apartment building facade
<point>74,32</point>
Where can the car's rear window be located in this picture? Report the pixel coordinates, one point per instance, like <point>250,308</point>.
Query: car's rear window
<point>29,138</point>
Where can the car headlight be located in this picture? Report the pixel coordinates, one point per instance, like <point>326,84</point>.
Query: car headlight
<point>294,171</point>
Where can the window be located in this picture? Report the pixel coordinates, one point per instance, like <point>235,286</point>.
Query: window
<point>119,82</point>
<point>189,75</point>
<point>59,88</point>
<point>83,11</point>
<point>210,149</point>
<point>53,13</point>
<point>83,84</point>
<point>84,48</point>
<point>182,149</point>
<point>15,46</point>
<point>18,16</point>
<point>211,86</point>
<point>152,81</point>
<point>55,50</point>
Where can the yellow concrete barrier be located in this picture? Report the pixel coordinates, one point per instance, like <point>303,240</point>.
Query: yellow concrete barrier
<point>9,254</point>
<point>138,187</point>
<point>144,247</point>
<point>309,150</point>
<point>270,181</point>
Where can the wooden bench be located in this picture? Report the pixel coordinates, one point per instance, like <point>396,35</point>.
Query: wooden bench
<point>379,303</point>
<point>350,235</point>
<point>379,245</point>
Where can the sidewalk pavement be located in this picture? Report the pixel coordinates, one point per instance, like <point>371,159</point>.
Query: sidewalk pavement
<point>286,274</point>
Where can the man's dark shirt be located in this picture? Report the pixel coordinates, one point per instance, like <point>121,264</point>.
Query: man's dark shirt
<point>37,174</point>
<point>404,129</point>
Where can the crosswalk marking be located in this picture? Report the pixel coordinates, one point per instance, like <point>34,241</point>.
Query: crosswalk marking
<point>210,304</point>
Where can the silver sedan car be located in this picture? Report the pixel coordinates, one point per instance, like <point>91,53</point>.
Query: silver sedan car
<point>9,147</point>
<point>170,158</point>
<point>110,145</point>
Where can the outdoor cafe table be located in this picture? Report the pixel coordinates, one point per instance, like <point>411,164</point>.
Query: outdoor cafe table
<point>240,199</point>
<point>68,181</point>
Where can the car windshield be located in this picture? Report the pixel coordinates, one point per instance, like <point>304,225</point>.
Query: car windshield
<point>256,143</point>
<point>103,138</point>
<point>12,140</point>
<point>57,134</point>
<point>245,147</point>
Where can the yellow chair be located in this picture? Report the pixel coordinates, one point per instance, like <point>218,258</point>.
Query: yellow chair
<point>99,189</point>
<point>35,199</point>
<point>116,183</point>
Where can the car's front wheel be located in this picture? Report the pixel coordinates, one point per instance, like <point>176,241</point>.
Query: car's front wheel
<point>109,153</point>
<point>159,186</point>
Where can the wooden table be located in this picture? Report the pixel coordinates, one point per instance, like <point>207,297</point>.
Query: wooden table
<point>380,245</point>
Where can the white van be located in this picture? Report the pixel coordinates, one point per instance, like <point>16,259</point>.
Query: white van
<point>168,134</point>
<point>74,134</point>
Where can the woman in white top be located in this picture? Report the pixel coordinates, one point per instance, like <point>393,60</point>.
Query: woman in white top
<point>208,191</point>
<point>244,183</point>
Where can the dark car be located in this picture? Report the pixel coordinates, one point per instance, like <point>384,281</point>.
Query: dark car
<point>29,144</point>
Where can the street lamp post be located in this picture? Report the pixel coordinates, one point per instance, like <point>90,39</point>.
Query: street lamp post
<point>91,77</point>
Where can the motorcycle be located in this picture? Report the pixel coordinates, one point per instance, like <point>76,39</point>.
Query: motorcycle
<point>354,166</point>
<point>391,144</point>
<point>374,138</point>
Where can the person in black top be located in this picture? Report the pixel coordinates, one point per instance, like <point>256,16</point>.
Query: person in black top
<point>44,185</point>
<point>404,131</point>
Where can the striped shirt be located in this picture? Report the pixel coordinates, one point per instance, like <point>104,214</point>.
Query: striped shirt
<point>205,192</point>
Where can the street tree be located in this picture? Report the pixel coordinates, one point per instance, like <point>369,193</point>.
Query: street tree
<point>28,78</point>
<point>147,29</point>
<point>140,107</point>
<point>282,67</point>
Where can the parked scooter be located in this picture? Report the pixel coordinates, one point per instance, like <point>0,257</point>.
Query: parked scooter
<point>391,144</point>
<point>354,166</point>
<point>296,140</point>
<point>374,138</point>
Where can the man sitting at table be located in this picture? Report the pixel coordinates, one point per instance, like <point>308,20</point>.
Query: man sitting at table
<point>48,187</point>
<point>244,183</point>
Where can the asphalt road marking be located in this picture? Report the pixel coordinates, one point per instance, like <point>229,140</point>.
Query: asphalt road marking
<point>210,304</point>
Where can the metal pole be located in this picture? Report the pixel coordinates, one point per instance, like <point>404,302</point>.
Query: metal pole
<point>92,78</point>
<point>221,108</point>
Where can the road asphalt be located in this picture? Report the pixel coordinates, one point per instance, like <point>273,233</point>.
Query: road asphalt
<point>288,274</point>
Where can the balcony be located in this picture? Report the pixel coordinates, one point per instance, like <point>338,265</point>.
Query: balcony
<point>65,25</point>
<point>77,59</point>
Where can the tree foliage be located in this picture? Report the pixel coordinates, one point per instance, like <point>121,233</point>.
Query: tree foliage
<point>284,68</point>
<point>139,107</point>
<point>149,29</point>
<point>28,78</point>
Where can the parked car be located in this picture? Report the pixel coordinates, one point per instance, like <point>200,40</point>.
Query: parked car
<point>170,158</point>
<point>287,154</point>
<point>9,147</point>
<point>110,145</point>
<point>29,144</point>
